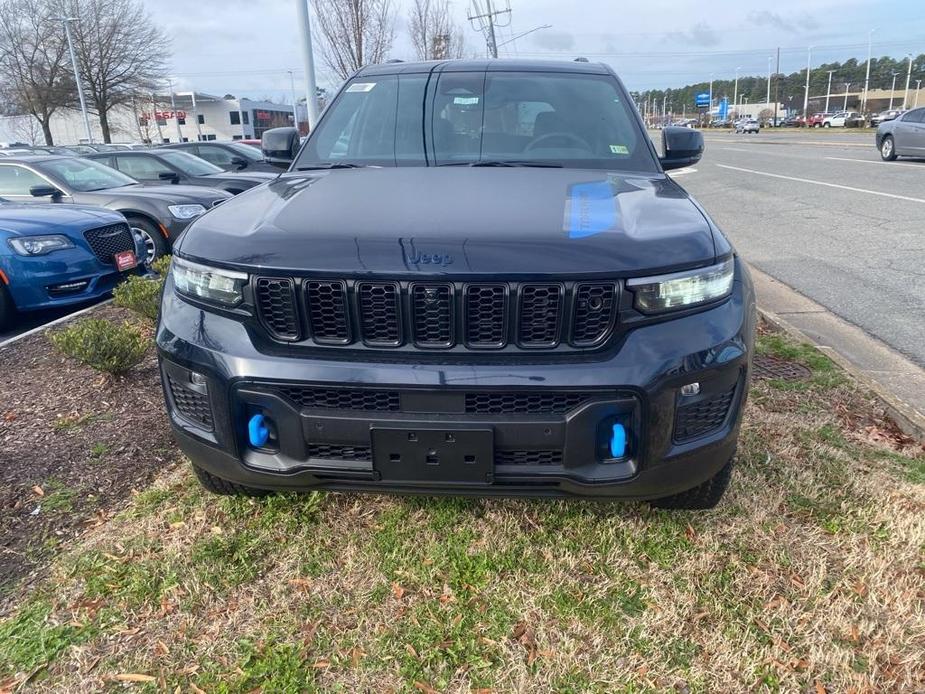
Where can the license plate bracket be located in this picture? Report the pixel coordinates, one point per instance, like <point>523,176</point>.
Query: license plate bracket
<point>125,260</point>
<point>421,455</point>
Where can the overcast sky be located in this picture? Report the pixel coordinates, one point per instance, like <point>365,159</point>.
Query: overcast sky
<point>245,47</point>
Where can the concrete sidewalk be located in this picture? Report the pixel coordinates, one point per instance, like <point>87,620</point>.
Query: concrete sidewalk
<point>898,381</point>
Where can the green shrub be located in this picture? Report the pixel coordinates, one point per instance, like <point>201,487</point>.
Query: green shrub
<point>161,265</point>
<point>102,344</point>
<point>139,294</point>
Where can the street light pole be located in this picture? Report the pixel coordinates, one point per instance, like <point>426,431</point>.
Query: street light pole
<point>308,62</point>
<point>918,88</point>
<point>710,110</point>
<point>80,90</point>
<point>770,60</point>
<point>735,92</point>
<point>870,36</point>
<point>892,91</point>
<point>295,107</point>
<point>908,79</point>
<point>828,91</point>
<point>847,86</point>
<point>809,60</point>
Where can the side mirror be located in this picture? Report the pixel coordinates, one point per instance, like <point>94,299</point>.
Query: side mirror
<point>45,191</point>
<point>239,163</point>
<point>169,176</point>
<point>280,146</point>
<point>682,147</point>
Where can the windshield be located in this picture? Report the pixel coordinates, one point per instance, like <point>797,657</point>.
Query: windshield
<point>84,175</point>
<point>551,119</point>
<point>246,151</point>
<point>188,164</point>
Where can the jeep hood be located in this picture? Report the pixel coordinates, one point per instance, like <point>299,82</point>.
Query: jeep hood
<point>457,220</point>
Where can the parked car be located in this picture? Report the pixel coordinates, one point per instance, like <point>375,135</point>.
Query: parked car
<point>841,119</point>
<point>816,120</point>
<point>46,149</point>
<point>720,123</point>
<point>884,116</point>
<point>793,122</point>
<point>251,142</point>
<point>169,166</point>
<point>903,136</point>
<point>229,156</point>
<point>748,125</point>
<point>57,255</point>
<point>158,213</point>
<point>321,332</point>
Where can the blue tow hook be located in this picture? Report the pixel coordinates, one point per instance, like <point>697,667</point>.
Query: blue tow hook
<point>257,431</point>
<point>618,441</point>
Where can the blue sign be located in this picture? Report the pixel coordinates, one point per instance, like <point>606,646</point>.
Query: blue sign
<point>723,108</point>
<point>702,99</point>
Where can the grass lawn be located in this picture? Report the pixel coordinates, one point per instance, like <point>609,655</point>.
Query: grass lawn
<point>809,576</point>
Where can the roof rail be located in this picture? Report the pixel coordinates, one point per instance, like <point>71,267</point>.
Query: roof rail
<point>581,59</point>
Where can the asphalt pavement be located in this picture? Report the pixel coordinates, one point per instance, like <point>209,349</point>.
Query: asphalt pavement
<point>823,214</point>
<point>33,319</point>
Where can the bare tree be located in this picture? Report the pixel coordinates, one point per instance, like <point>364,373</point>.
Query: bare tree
<point>121,53</point>
<point>355,33</point>
<point>35,73</point>
<point>433,33</point>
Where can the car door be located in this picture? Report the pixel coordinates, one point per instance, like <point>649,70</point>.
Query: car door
<point>910,133</point>
<point>144,168</point>
<point>17,181</point>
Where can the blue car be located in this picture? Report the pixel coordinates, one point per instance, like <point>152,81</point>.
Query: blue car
<point>56,255</point>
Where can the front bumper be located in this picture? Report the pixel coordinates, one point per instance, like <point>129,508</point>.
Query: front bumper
<point>546,425</point>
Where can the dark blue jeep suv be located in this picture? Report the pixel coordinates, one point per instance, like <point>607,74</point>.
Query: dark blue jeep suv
<point>474,278</point>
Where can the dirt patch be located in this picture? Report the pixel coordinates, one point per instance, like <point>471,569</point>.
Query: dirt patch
<point>74,443</point>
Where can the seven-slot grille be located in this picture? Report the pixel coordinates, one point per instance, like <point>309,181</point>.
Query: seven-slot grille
<point>106,241</point>
<point>438,315</point>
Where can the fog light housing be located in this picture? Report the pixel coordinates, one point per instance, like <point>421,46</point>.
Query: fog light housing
<point>690,389</point>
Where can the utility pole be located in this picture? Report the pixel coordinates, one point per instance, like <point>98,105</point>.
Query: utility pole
<point>80,90</point>
<point>768,98</point>
<point>735,93</point>
<point>308,63</point>
<point>870,36</point>
<point>892,91</point>
<point>809,60</point>
<point>828,92</point>
<point>776,86</point>
<point>908,79</point>
<point>845,106</point>
<point>488,25</point>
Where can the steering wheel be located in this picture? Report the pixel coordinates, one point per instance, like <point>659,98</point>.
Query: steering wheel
<point>548,136</point>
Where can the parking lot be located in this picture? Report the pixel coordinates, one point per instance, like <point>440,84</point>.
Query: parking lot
<point>822,213</point>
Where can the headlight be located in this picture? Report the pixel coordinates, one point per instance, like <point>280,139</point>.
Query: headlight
<point>223,287</point>
<point>186,211</point>
<point>40,245</point>
<point>682,289</point>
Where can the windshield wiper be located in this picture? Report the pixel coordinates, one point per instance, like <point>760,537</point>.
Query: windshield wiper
<point>332,165</point>
<point>506,162</point>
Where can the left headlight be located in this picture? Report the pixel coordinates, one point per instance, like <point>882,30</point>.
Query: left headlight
<point>682,289</point>
<point>40,245</point>
<point>186,211</point>
<point>210,284</point>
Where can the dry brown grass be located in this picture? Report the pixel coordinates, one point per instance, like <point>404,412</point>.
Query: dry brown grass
<point>809,576</point>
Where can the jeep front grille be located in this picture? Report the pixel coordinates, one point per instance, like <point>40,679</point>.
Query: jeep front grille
<point>428,315</point>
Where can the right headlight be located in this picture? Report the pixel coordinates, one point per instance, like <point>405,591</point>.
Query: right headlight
<point>209,284</point>
<point>682,289</point>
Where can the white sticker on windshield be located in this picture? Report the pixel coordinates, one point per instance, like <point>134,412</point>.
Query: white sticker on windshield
<point>361,87</point>
<point>465,100</point>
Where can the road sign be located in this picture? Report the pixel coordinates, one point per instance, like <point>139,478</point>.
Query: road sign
<point>703,99</point>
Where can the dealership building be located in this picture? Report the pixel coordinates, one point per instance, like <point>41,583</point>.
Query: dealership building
<point>180,117</point>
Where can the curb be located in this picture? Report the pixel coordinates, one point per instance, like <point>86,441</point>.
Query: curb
<point>906,418</point>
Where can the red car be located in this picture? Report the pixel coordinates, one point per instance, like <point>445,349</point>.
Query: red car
<point>815,120</point>
<point>255,143</point>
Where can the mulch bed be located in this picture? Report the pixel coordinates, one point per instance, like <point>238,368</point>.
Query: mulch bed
<point>74,443</point>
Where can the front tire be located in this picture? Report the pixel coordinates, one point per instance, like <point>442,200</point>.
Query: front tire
<point>701,497</point>
<point>217,485</point>
<point>155,243</point>
<point>888,149</point>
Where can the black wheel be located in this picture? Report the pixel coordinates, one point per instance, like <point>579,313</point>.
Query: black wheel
<point>155,243</point>
<point>888,149</point>
<point>7,308</point>
<point>217,485</point>
<point>701,497</point>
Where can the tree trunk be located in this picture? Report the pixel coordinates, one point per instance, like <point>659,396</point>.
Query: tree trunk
<point>104,126</point>
<point>46,131</point>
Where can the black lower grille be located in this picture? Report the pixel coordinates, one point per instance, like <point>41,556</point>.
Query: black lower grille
<point>365,400</point>
<point>329,451</point>
<point>106,241</point>
<point>700,418</point>
<point>524,403</point>
<point>528,457</point>
<point>190,403</point>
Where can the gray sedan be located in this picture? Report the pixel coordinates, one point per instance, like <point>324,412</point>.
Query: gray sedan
<point>158,213</point>
<point>903,136</point>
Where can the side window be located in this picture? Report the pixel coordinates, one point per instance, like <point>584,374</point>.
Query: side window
<point>201,119</point>
<point>15,180</point>
<point>215,155</point>
<point>142,168</point>
<point>235,117</point>
<point>916,116</point>
<point>363,127</point>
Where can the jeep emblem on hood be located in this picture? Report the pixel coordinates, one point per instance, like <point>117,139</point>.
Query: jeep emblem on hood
<point>418,258</point>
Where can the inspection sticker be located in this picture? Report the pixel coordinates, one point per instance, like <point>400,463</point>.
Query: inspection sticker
<point>619,149</point>
<point>361,87</point>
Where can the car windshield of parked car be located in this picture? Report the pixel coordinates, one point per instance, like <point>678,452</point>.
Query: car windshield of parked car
<point>188,164</point>
<point>489,118</point>
<point>84,175</point>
